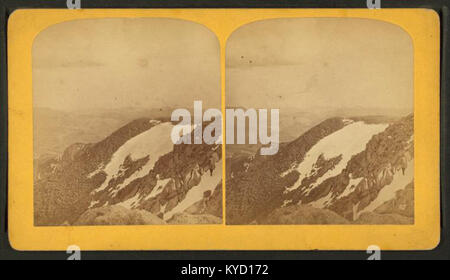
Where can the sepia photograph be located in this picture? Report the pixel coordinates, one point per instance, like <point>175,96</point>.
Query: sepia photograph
<point>103,94</point>
<point>344,88</point>
<point>223,130</point>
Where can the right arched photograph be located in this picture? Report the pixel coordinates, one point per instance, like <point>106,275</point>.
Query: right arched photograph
<point>340,92</point>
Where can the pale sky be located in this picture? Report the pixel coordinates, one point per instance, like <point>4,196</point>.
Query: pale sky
<point>328,63</point>
<point>151,63</point>
<point>115,63</point>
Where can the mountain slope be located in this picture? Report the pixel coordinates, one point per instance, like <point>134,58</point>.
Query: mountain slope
<point>347,166</point>
<point>137,168</point>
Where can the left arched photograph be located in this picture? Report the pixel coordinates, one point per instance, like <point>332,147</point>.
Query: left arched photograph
<point>104,91</point>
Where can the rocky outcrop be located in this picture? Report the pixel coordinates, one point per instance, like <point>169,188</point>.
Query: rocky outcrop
<point>383,219</point>
<point>117,215</point>
<point>187,219</point>
<point>302,215</point>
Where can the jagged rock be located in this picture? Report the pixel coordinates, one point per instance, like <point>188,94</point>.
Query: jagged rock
<point>207,194</point>
<point>73,152</point>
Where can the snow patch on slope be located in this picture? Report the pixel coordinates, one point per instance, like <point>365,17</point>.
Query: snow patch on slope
<point>322,202</point>
<point>348,141</point>
<point>130,203</point>
<point>158,189</point>
<point>95,172</point>
<point>93,203</point>
<point>154,143</point>
<point>350,188</point>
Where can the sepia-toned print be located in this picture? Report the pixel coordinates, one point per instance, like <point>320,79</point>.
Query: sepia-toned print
<point>103,94</point>
<point>344,90</point>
